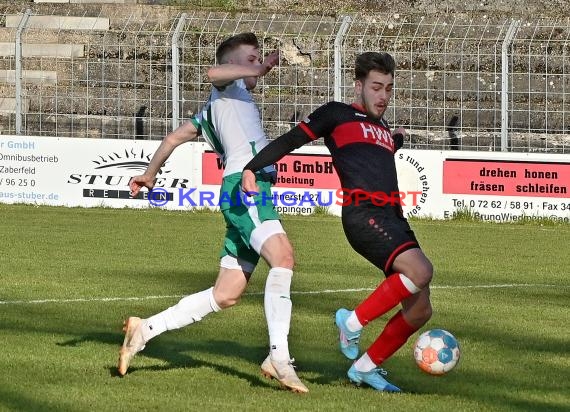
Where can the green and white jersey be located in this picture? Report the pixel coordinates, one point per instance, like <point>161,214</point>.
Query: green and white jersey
<point>231,123</point>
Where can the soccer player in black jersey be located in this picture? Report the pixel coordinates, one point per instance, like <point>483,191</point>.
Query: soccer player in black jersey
<point>362,148</point>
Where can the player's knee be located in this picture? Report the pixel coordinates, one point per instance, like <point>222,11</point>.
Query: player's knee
<point>278,252</point>
<point>225,301</point>
<point>428,273</point>
<point>423,274</point>
<point>287,260</point>
<point>284,258</point>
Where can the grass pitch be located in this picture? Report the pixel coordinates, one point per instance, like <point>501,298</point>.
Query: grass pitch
<point>69,276</point>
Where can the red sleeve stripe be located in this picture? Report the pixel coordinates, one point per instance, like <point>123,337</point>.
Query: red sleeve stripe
<point>308,131</point>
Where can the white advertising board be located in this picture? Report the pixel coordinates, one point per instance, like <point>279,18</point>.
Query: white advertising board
<point>493,186</point>
<point>83,172</point>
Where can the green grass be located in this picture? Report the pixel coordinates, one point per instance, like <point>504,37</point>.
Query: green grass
<point>61,354</point>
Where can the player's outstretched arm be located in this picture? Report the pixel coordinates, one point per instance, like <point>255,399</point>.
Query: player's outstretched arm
<point>185,133</point>
<point>228,72</point>
<point>270,154</point>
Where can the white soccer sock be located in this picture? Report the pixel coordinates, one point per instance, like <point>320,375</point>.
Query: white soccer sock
<point>277,304</point>
<point>188,310</point>
<point>352,322</point>
<point>364,364</point>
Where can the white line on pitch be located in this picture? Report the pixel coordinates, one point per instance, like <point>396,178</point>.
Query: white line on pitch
<point>313,292</point>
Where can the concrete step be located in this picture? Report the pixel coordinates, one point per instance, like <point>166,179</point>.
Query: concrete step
<point>88,1</point>
<point>60,22</point>
<point>103,1</point>
<point>60,51</point>
<point>8,105</point>
<point>29,76</point>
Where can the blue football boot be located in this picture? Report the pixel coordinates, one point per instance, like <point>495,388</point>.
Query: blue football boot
<point>348,340</point>
<point>374,378</point>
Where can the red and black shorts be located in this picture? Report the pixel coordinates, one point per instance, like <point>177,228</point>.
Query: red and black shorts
<point>379,234</point>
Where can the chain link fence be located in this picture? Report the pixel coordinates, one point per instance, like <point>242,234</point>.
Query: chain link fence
<point>465,83</point>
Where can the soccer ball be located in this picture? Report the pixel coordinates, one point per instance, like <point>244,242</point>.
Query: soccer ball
<point>436,351</point>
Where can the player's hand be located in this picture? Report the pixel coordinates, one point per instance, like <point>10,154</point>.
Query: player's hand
<point>401,130</point>
<point>248,183</point>
<point>270,61</point>
<point>138,182</point>
<point>399,136</point>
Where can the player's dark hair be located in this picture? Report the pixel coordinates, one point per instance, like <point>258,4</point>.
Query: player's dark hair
<point>365,62</point>
<point>232,43</point>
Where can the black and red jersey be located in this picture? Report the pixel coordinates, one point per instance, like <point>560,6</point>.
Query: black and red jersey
<point>362,147</point>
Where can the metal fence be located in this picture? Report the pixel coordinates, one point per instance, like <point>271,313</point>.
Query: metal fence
<point>466,83</point>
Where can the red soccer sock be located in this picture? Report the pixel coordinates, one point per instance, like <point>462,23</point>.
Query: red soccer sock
<point>394,335</point>
<point>386,296</point>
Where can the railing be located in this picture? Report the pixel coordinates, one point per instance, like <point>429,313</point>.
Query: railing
<point>466,83</point>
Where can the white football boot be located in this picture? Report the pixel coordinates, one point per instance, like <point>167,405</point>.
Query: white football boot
<point>284,372</point>
<point>132,343</point>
